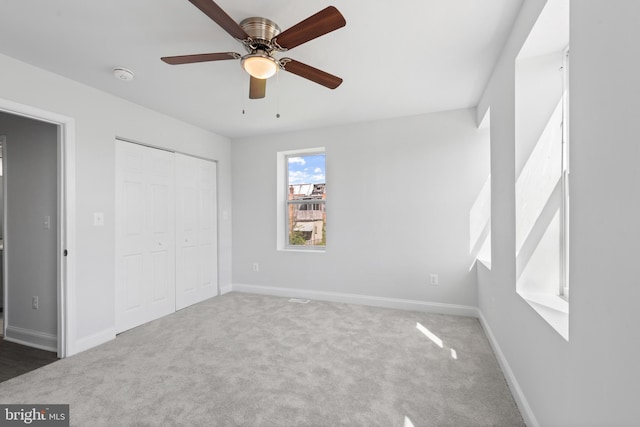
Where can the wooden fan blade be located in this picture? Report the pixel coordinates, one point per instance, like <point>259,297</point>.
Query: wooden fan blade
<point>220,17</point>
<point>202,57</point>
<point>257,88</point>
<point>321,23</point>
<point>310,73</point>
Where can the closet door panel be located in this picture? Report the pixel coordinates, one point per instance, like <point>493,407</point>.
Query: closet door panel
<point>196,231</point>
<point>133,281</point>
<point>145,234</point>
<point>161,232</point>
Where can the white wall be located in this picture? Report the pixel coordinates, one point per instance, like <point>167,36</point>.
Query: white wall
<point>535,353</point>
<point>605,212</point>
<point>31,177</point>
<point>399,195</point>
<point>99,118</point>
<point>594,379</point>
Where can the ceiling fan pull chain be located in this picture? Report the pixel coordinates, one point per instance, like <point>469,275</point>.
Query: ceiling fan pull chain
<point>242,94</point>
<point>277,95</point>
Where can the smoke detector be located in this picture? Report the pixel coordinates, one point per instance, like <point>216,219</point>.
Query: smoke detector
<point>123,74</point>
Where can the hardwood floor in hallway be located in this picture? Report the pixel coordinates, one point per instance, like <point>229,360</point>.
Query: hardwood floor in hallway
<point>17,359</point>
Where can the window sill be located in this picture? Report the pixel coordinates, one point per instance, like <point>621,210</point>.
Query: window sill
<point>485,262</point>
<point>553,309</point>
<point>312,251</point>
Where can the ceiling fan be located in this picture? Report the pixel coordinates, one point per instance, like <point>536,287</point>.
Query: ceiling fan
<point>261,38</point>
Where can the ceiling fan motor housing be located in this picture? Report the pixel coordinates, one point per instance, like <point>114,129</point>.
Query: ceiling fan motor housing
<point>261,31</point>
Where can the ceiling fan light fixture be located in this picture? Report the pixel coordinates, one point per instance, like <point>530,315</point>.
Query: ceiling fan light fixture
<point>260,65</point>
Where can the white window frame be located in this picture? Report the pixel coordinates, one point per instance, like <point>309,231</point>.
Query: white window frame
<point>564,230</point>
<point>282,200</point>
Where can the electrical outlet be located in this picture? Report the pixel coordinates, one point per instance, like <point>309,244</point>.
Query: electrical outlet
<point>34,303</point>
<point>256,267</point>
<point>98,219</point>
<point>433,279</point>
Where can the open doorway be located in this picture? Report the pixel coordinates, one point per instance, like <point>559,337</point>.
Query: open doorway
<point>2,144</point>
<point>34,232</point>
<point>2,139</point>
<point>30,231</point>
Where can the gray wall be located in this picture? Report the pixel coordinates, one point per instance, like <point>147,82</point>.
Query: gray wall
<point>605,212</point>
<point>98,119</point>
<point>593,379</point>
<point>1,234</point>
<point>399,196</point>
<point>31,176</point>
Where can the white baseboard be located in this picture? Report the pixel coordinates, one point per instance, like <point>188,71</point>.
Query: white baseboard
<point>225,289</point>
<point>28,337</point>
<point>401,304</point>
<point>93,340</point>
<point>528,415</point>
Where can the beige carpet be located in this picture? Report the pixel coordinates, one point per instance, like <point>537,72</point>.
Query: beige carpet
<point>248,360</point>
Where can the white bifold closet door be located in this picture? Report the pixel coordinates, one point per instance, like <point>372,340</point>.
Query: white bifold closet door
<point>145,234</point>
<point>196,231</point>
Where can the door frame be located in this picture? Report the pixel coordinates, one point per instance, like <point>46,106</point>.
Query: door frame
<point>66,201</point>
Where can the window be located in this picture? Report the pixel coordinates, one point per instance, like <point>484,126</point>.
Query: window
<point>480,213</point>
<point>306,219</point>
<point>304,212</point>
<point>542,172</point>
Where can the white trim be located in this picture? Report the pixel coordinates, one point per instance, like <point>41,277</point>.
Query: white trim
<point>525,409</point>
<point>553,309</point>
<point>31,338</point>
<point>281,196</point>
<point>5,288</point>
<point>401,304</point>
<point>483,118</point>
<point>67,221</point>
<point>170,150</point>
<point>66,217</point>
<point>219,217</point>
<point>305,249</point>
<point>553,302</point>
<point>485,263</point>
<point>226,289</point>
<point>95,340</point>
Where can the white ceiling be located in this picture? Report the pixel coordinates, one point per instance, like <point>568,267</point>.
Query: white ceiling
<point>397,58</point>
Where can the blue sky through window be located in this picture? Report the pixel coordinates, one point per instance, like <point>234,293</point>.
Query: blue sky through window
<point>307,169</point>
